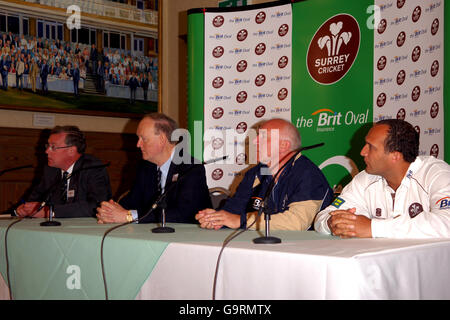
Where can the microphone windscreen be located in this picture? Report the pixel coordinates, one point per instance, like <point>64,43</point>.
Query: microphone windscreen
<point>258,192</point>
<point>256,203</point>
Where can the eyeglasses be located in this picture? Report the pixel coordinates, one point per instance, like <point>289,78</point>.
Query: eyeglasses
<point>53,147</point>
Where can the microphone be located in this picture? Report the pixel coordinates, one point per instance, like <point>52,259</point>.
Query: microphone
<point>258,193</point>
<point>263,207</point>
<point>312,147</point>
<point>15,168</point>
<point>214,160</point>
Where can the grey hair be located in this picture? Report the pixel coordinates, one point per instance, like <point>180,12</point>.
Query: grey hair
<point>163,124</point>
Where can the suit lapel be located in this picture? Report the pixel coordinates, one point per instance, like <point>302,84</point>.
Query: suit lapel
<point>73,183</point>
<point>171,175</point>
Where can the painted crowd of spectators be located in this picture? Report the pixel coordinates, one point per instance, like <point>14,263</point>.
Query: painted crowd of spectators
<point>18,55</point>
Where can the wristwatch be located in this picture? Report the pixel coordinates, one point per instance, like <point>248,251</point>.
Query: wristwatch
<point>129,216</point>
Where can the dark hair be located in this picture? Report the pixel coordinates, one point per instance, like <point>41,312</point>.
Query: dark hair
<point>402,137</point>
<point>163,124</point>
<point>74,136</point>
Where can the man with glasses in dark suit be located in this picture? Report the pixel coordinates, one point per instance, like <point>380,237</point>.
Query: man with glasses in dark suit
<point>73,182</point>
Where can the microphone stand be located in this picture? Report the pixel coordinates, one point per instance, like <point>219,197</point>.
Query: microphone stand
<point>267,239</point>
<point>162,203</point>
<point>50,222</point>
<point>163,228</point>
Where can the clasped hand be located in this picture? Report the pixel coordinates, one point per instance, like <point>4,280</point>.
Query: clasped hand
<point>111,212</point>
<point>347,224</point>
<point>212,219</point>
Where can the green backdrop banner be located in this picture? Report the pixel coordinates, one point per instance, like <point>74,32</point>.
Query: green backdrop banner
<point>332,82</point>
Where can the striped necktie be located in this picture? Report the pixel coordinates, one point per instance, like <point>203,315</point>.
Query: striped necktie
<point>64,187</point>
<point>158,183</point>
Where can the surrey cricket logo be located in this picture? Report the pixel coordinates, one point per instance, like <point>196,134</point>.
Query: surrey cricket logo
<point>333,49</point>
<point>434,110</point>
<point>414,209</point>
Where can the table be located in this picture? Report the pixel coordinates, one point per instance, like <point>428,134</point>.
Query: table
<point>64,263</point>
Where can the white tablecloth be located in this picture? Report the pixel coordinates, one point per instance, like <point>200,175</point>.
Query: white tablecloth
<point>305,265</point>
<point>308,269</point>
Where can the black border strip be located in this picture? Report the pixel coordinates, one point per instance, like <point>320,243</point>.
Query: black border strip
<point>244,8</point>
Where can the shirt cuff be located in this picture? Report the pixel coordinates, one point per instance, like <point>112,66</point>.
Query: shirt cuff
<point>379,228</point>
<point>325,226</point>
<point>134,214</point>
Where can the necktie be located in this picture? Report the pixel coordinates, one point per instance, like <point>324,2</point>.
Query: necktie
<point>158,183</point>
<point>64,187</point>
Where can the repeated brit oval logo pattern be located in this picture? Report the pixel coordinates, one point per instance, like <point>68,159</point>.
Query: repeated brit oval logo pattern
<point>434,151</point>
<point>434,68</point>
<point>434,110</point>
<point>260,48</point>
<point>218,52</point>
<point>218,21</point>
<point>260,17</point>
<point>241,66</point>
<point>217,113</point>
<point>217,174</point>
<point>416,14</point>
<point>217,82</point>
<point>415,54</point>
<point>260,80</point>
<point>401,38</point>
<point>283,62</point>
<point>260,111</point>
<point>408,68</point>
<point>435,26</point>
<point>401,114</point>
<point>381,64</point>
<point>242,35</point>
<point>283,30</point>
<point>401,76</point>
<point>381,99</point>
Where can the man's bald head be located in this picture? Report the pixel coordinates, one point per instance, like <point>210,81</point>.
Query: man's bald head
<point>287,131</point>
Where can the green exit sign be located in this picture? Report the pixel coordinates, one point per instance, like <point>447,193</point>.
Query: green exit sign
<point>233,3</point>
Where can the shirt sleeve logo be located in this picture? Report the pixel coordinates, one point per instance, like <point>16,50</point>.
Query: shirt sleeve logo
<point>415,209</point>
<point>378,212</point>
<point>443,203</point>
<point>338,202</point>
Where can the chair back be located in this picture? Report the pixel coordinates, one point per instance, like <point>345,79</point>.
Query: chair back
<point>218,196</point>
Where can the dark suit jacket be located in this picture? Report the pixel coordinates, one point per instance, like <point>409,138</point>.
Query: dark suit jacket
<point>189,194</point>
<point>90,187</point>
<point>75,73</point>
<point>93,55</point>
<point>133,83</point>
<point>145,83</point>
<point>44,72</point>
